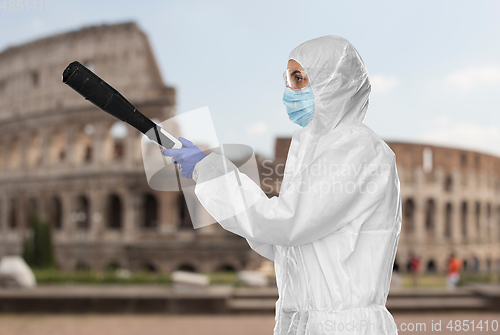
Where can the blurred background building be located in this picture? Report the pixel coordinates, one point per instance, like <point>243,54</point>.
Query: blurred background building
<point>451,203</point>
<point>82,171</point>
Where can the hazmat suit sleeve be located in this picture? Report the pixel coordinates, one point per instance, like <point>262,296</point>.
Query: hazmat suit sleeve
<point>343,184</point>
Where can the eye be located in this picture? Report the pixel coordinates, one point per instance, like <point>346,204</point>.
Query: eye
<point>298,78</point>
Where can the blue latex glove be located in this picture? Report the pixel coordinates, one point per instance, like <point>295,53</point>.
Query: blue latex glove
<point>186,158</point>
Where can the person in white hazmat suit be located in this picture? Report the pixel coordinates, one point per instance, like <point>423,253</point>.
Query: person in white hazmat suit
<point>333,230</point>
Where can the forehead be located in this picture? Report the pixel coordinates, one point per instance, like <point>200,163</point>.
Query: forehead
<point>292,64</point>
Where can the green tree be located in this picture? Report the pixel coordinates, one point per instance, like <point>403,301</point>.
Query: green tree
<point>38,248</point>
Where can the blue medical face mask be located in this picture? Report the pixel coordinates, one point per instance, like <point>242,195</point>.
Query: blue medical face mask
<point>299,105</point>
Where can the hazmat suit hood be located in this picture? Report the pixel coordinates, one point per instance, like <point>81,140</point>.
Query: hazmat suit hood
<point>338,79</point>
<point>341,89</point>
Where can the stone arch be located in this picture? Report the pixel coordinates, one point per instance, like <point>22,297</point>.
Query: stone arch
<point>431,266</point>
<point>15,153</point>
<point>114,210</point>
<point>448,218</point>
<point>85,144</point>
<point>184,217</point>
<point>463,159</point>
<point>409,215</point>
<point>35,78</point>
<point>187,267</point>
<point>430,215</point>
<point>448,183</point>
<point>150,211</point>
<point>225,267</point>
<point>13,213</point>
<point>149,267</point>
<point>464,212</point>
<point>54,211</point>
<point>118,132</point>
<point>31,210</point>
<point>34,151</point>
<point>57,148</point>
<point>114,142</point>
<point>82,266</point>
<point>81,212</point>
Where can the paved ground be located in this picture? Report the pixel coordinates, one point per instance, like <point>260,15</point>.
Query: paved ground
<point>212,325</point>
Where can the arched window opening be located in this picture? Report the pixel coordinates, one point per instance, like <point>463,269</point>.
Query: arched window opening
<point>55,212</point>
<point>148,267</point>
<point>81,213</point>
<point>57,147</point>
<point>430,215</point>
<point>114,212</point>
<point>448,183</point>
<point>118,133</point>
<point>34,154</point>
<point>118,150</point>
<point>226,268</point>
<point>463,159</point>
<point>86,143</point>
<point>464,219</point>
<point>431,266</point>
<point>15,154</point>
<point>184,217</point>
<point>82,266</point>
<point>150,211</point>
<point>35,78</point>
<point>409,212</point>
<point>13,213</point>
<point>448,220</point>
<point>186,267</point>
<point>31,209</point>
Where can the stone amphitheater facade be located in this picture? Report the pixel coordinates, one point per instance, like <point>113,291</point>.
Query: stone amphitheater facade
<point>451,203</point>
<point>67,161</point>
<point>61,159</point>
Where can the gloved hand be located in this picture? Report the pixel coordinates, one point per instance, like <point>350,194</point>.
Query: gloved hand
<point>186,158</point>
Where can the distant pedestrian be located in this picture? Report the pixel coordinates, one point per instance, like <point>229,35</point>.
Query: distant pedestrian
<point>396,276</point>
<point>453,276</point>
<point>414,268</point>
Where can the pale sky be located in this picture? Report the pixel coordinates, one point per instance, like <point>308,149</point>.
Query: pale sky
<point>434,65</point>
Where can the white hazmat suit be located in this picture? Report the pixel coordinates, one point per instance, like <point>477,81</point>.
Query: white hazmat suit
<point>333,230</point>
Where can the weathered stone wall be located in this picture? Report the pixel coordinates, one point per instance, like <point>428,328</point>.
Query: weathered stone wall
<point>60,158</point>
